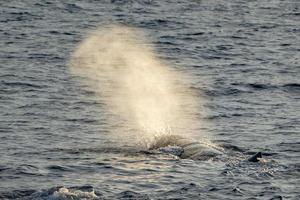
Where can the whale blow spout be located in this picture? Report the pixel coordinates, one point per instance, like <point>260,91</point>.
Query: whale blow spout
<point>142,93</point>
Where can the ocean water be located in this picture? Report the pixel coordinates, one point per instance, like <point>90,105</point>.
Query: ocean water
<point>242,56</point>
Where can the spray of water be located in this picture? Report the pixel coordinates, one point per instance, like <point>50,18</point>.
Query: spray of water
<point>118,63</point>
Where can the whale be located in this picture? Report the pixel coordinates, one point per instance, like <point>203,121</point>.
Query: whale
<point>256,157</point>
<point>189,148</point>
<point>186,148</point>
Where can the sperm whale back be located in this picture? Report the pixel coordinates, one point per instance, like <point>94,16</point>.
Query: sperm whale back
<point>191,148</point>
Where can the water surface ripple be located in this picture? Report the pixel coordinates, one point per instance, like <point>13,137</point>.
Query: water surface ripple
<point>243,56</point>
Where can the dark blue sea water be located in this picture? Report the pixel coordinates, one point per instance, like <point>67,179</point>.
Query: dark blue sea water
<point>243,56</point>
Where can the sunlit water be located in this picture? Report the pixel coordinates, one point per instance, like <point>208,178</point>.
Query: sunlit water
<point>242,60</point>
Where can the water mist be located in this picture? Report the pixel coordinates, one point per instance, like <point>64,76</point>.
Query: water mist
<point>137,87</point>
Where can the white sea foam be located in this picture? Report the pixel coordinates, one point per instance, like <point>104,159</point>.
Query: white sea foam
<point>63,193</point>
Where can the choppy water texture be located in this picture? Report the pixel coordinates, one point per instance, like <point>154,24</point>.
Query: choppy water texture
<point>242,55</point>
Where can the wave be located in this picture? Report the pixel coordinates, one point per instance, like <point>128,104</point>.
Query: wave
<point>54,193</point>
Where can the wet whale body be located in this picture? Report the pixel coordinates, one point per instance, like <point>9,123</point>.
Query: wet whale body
<point>187,148</point>
<point>256,157</point>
